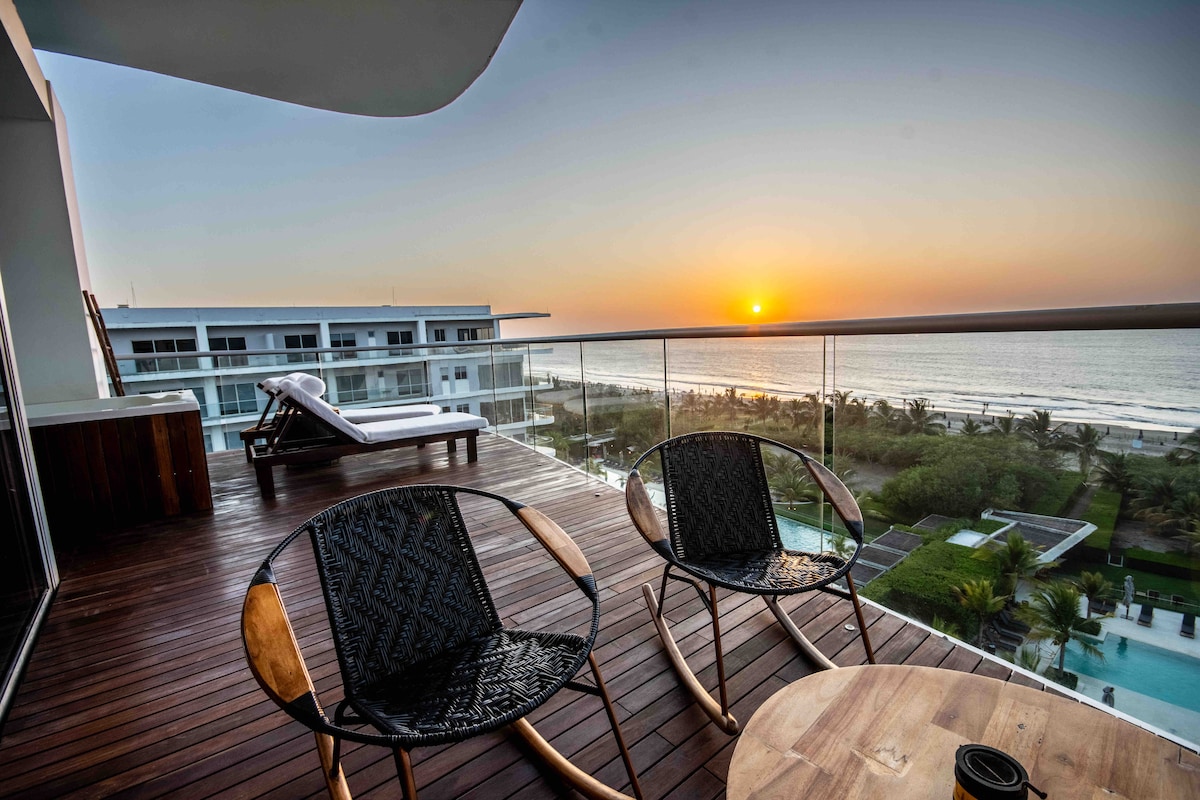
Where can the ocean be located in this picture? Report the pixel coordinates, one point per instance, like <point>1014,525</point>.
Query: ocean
<point>1137,379</point>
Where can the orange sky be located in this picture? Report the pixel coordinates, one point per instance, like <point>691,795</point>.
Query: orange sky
<point>631,165</point>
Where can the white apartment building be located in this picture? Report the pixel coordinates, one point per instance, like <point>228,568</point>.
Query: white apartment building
<point>367,356</point>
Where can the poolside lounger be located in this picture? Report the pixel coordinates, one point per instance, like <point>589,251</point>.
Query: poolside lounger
<point>266,428</point>
<point>1147,613</point>
<point>1188,626</point>
<point>336,436</point>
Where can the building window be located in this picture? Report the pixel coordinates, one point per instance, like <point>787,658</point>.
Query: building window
<point>460,373</point>
<point>343,340</point>
<point>300,341</point>
<point>229,343</point>
<point>439,334</point>
<point>165,346</point>
<point>504,412</point>
<point>399,337</point>
<point>351,388</point>
<point>506,375</point>
<point>464,408</point>
<point>474,334</point>
<point>410,382</point>
<point>445,409</point>
<point>237,398</point>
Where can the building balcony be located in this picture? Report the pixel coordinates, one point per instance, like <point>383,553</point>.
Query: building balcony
<point>138,684</point>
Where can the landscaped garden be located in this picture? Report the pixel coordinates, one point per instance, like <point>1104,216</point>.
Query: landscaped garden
<point>1030,464</point>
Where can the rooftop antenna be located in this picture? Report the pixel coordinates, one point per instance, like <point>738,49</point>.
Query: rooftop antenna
<point>132,296</point>
<point>393,295</point>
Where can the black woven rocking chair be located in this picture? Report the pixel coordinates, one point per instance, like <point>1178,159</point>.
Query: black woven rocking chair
<point>423,655</point>
<point>722,530</point>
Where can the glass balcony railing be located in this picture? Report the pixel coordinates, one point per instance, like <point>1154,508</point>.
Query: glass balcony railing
<point>1003,462</point>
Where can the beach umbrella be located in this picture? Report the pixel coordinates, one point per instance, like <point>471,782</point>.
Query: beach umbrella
<point>1128,598</point>
<point>1107,698</point>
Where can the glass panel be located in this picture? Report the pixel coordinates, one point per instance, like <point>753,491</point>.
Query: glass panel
<point>773,387</point>
<point>625,402</point>
<point>27,566</point>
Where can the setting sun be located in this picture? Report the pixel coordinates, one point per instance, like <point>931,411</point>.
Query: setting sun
<point>756,308</point>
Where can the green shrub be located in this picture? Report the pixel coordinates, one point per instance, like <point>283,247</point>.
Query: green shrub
<point>1102,512</point>
<point>1173,565</point>
<point>920,585</point>
<point>1057,497</point>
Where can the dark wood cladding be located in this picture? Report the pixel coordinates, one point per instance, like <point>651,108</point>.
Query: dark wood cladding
<point>99,476</point>
<point>139,688</point>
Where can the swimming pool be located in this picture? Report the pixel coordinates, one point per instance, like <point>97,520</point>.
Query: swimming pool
<point>798,536</point>
<point>1140,667</point>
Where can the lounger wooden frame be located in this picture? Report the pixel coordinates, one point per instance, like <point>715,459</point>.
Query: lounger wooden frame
<point>282,449</point>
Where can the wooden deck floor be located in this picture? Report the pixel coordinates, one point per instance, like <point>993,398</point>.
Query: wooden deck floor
<point>138,687</point>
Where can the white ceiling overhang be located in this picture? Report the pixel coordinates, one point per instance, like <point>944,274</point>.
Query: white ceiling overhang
<point>382,58</point>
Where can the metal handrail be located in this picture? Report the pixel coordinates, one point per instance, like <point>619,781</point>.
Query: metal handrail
<point>1143,317</point>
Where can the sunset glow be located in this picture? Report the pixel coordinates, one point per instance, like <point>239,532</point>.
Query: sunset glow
<point>632,165</point>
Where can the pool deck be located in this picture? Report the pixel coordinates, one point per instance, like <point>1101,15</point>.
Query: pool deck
<point>1163,633</point>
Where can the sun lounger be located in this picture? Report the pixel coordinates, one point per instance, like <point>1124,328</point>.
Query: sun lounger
<point>337,437</point>
<point>266,428</point>
<point>1188,626</point>
<point>1146,615</point>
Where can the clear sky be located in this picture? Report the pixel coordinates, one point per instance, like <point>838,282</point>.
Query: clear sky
<point>627,165</point>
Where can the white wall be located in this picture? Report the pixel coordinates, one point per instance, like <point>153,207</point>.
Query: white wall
<point>42,262</point>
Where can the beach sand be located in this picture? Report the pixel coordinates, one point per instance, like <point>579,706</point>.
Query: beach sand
<point>1118,439</point>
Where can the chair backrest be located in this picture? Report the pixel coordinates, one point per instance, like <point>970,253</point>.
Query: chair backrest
<point>401,580</point>
<point>718,500</point>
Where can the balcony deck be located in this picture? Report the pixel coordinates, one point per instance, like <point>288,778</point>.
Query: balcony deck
<point>138,687</point>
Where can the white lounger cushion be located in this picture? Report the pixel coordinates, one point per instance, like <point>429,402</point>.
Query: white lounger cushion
<point>360,415</point>
<point>309,383</point>
<point>381,431</point>
<point>293,392</point>
<point>428,425</point>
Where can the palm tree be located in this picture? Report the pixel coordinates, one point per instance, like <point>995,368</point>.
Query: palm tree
<point>971,428</point>
<point>1004,426</point>
<point>690,403</point>
<point>1191,537</point>
<point>1094,586</point>
<point>733,404</point>
<point>1038,427</point>
<point>1029,658</point>
<point>1180,515</point>
<point>884,412</point>
<point>791,487</point>
<point>917,417</point>
<point>805,414</point>
<point>1113,472</point>
<point>1015,559</point>
<point>1053,614</point>
<point>980,599</point>
<point>1085,442</point>
<point>763,407</point>
<point>1188,451</point>
<point>1153,498</point>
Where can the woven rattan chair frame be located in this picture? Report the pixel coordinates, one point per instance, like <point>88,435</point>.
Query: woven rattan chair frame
<point>423,654</point>
<point>721,530</point>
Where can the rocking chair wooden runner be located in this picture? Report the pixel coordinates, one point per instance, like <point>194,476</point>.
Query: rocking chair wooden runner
<point>423,655</point>
<point>722,531</point>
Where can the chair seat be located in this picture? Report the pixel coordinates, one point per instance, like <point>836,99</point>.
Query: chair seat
<point>478,687</point>
<point>774,572</point>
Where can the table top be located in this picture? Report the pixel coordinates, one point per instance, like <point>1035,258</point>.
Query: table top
<point>890,731</point>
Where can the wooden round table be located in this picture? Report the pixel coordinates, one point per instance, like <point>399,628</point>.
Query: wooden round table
<point>890,732</point>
